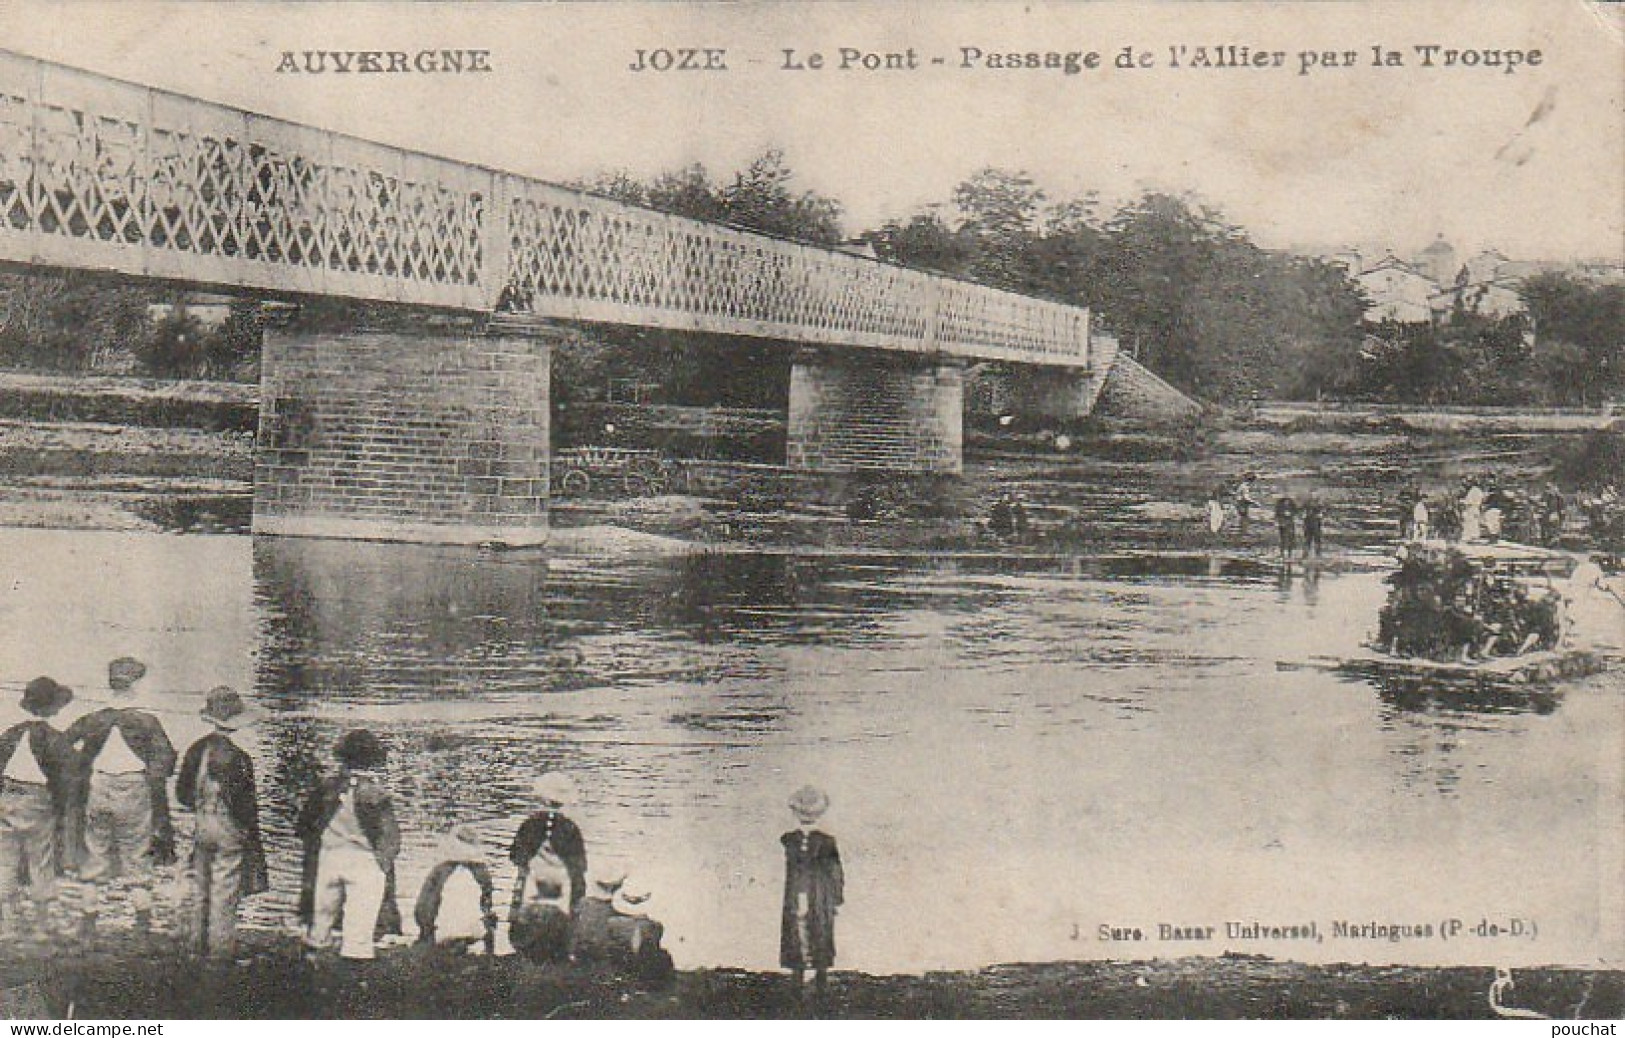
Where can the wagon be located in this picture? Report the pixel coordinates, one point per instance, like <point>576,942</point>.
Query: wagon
<point>579,471</point>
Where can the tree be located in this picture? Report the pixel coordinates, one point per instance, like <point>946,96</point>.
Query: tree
<point>760,199</point>
<point>1001,210</point>
<point>686,192</point>
<point>69,322</point>
<point>1584,325</point>
<point>923,242</point>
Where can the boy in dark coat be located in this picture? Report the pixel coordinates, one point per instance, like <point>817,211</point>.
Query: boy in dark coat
<point>551,857</point>
<point>1312,519</point>
<point>351,841</point>
<point>1286,524</point>
<point>34,758</point>
<point>814,889</point>
<point>124,764</point>
<point>228,859</point>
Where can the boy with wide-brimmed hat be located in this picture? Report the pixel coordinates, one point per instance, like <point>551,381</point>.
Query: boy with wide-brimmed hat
<point>228,859</point>
<point>351,841</point>
<point>551,857</point>
<point>125,760</point>
<point>33,762</point>
<point>814,888</point>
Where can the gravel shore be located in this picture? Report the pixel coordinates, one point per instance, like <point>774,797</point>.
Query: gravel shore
<point>148,980</point>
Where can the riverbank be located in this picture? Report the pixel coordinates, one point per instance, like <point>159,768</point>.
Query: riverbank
<point>413,983</point>
<point>133,454</point>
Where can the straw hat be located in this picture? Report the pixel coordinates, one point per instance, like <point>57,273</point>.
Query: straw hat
<point>44,696</point>
<point>361,749</point>
<point>462,843</point>
<point>631,897</point>
<point>608,878</point>
<point>125,672</point>
<point>809,803</point>
<point>555,789</point>
<point>224,708</point>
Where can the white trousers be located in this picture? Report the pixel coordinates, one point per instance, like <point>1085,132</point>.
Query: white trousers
<point>348,880</point>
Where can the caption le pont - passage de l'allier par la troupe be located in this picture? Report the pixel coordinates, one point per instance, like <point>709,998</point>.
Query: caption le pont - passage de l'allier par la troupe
<point>706,59</point>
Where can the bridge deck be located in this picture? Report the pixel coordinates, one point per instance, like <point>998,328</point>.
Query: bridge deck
<point>97,173</point>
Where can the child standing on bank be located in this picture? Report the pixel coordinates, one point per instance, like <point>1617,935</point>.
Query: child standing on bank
<point>814,889</point>
<point>228,857</point>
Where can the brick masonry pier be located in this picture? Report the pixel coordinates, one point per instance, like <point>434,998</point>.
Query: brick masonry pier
<point>431,429</point>
<point>856,411</point>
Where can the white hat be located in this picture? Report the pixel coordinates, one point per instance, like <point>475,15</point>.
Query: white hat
<point>555,788</point>
<point>461,843</point>
<point>631,897</point>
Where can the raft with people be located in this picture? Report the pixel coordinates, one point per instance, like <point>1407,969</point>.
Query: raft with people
<point>1467,617</point>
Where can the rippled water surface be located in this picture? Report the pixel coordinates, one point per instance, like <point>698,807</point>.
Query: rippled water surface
<point>1017,753</point>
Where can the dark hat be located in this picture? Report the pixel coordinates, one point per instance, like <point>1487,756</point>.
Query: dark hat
<point>361,749</point>
<point>125,671</point>
<point>224,707</point>
<point>44,696</point>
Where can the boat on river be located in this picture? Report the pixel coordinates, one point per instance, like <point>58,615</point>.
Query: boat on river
<point>1562,652</point>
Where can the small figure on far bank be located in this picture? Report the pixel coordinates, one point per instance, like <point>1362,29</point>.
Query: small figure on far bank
<point>1498,506</point>
<point>1472,510</point>
<point>1286,524</point>
<point>1244,500</point>
<point>1215,512</point>
<point>1553,509</point>
<point>1405,506</point>
<point>125,760</point>
<point>1312,519</point>
<point>351,841</point>
<point>1447,517</point>
<point>1421,520</point>
<point>34,758</point>
<point>551,856</point>
<point>216,782</point>
<point>814,889</point>
<point>861,507</point>
<point>1007,517</point>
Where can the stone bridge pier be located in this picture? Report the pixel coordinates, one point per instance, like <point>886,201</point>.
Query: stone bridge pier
<point>411,428</point>
<point>862,410</point>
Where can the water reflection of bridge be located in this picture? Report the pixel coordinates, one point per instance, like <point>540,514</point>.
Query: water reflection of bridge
<point>432,423</point>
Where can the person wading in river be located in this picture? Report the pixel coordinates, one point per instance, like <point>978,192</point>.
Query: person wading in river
<point>33,760</point>
<point>1312,519</point>
<point>125,761</point>
<point>216,781</point>
<point>1244,502</point>
<point>351,841</point>
<point>1286,525</point>
<point>814,889</point>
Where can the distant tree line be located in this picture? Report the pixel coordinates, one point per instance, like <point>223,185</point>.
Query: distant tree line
<point>1566,349</point>
<point>79,323</point>
<point>1186,292</point>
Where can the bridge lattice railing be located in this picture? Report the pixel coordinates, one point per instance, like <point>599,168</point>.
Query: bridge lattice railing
<point>101,174</point>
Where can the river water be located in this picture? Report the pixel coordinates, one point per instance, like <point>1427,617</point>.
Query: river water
<point>1018,753</point>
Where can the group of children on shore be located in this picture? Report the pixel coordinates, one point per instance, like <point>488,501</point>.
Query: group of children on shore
<point>91,802</point>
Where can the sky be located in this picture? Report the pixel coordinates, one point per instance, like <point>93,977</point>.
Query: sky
<point>1531,161</point>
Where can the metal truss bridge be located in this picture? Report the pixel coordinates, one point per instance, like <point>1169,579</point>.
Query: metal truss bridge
<point>101,174</point>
